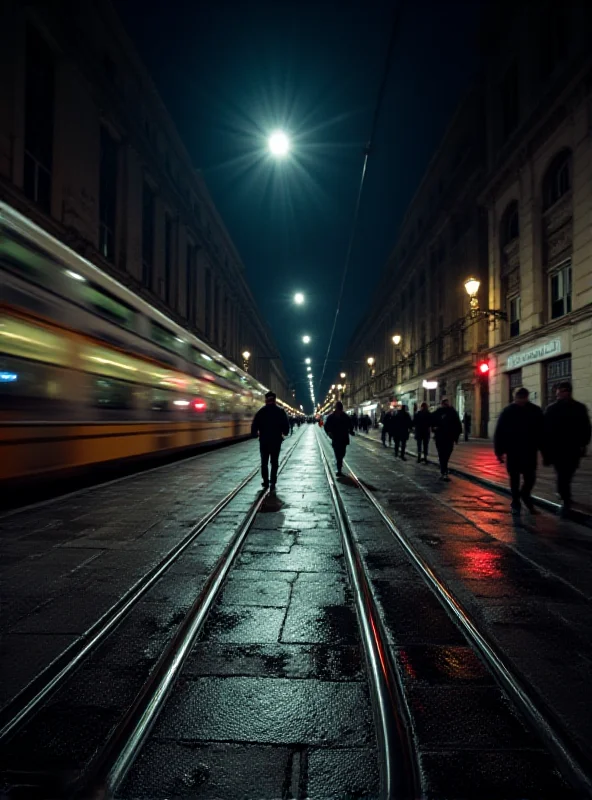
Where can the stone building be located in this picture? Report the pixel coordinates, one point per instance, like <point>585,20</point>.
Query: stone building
<point>538,198</point>
<point>421,297</point>
<point>88,151</point>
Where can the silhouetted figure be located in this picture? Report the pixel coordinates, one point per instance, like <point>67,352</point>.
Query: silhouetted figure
<point>422,423</point>
<point>519,436</point>
<point>292,423</point>
<point>402,424</point>
<point>387,427</point>
<point>567,433</point>
<point>467,421</point>
<point>338,428</point>
<point>447,429</point>
<point>271,425</point>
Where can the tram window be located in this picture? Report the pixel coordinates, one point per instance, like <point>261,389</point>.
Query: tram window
<point>167,339</point>
<point>25,258</point>
<point>31,389</point>
<point>109,393</point>
<point>107,306</point>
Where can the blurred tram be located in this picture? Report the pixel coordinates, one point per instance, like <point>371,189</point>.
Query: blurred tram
<point>91,373</point>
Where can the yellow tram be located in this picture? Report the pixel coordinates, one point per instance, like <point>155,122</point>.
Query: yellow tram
<point>91,373</point>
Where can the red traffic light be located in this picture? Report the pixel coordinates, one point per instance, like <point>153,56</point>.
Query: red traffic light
<point>483,367</point>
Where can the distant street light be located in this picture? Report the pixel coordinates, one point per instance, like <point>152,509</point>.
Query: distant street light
<point>472,286</point>
<point>306,339</point>
<point>307,360</point>
<point>396,340</point>
<point>279,144</point>
<point>309,369</point>
<point>342,375</point>
<point>246,356</point>
<point>299,298</point>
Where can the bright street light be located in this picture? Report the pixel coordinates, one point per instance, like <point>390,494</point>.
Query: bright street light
<point>370,361</point>
<point>342,375</point>
<point>396,340</point>
<point>246,355</point>
<point>306,339</point>
<point>472,286</point>
<point>309,369</point>
<point>307,360</point>
<point>299,298</point>
<point>279,144</point>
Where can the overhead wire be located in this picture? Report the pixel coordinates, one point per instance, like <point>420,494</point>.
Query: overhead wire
<point>367,150</point>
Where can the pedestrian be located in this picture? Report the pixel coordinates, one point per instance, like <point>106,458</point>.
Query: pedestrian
<point>422,422</point>
<point>519,436</point>
<point>447,430</point>
<point>402,424</point>
<point>387,427</point>
<point>466,421</point>
<point>339,427</point>
<point>567,433</point>
<point>271,425</point>
<point>292,423</point>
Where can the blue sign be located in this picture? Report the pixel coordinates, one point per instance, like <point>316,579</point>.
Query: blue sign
<point>8,377</point>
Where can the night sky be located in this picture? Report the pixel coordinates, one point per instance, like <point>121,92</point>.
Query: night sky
<point>232,72</point>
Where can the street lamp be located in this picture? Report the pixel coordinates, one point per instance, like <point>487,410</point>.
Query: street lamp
<point>396,340</point>
<point>342,375</point>
<point>246,356</point>
<point>472,286</point>
<point>306,339</point>
<point>279,144</point>
<point>308,369</point>
<point>299,298</point>
<point>307,360</point>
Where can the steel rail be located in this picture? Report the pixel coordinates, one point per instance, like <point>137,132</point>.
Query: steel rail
<point>527,703</point>
<point>399,771</point>
<point>126,740</point>
<point>30,699</point>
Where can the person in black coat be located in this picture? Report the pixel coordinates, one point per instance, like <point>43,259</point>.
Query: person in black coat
<point>447,429</point>
<point>339,427</point>
<point>422,423</point>
<point>402,424</point>
<point>567,433</point>
<point>467,421</point>
<point>271,425</point>
<point>387,427</point>
<point>519,436</point>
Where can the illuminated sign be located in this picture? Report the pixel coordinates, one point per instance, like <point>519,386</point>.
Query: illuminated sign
<point>545,350</point>
<point>430,384</point>
<point>8,377</point>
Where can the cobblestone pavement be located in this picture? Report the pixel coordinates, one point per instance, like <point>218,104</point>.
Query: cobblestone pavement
<point>527,583</point>
<point>273,700</point>
<point>476,457</point>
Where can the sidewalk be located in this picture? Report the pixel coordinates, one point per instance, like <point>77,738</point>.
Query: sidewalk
<point>476,458</point>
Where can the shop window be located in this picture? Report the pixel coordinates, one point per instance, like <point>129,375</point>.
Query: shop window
<point>559,369</point>
<point>560,291</point>
<point>514,382</point>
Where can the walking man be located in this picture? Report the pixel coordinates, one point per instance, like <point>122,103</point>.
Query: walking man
<point>292,423</point>
<point>271,425</point>
<point>566,435</point>
<point>467,420</point>
<point>422,423</point>
<point>402,424</point>
<point>387,427</point>
<point>519,436</point>
<point>447,429</point>
<point>338,428</point>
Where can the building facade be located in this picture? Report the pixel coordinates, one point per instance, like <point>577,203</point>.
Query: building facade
<point>421,296</point>
<point>538,200</point>
<point>88,152</point>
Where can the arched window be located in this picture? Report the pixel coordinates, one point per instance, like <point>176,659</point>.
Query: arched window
<point>557,180</point>
<point>510,266</point>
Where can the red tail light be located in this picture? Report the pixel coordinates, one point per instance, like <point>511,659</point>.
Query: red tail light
<point>199,405</point>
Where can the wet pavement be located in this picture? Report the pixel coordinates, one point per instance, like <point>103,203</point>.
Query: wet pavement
<point>273,700</point>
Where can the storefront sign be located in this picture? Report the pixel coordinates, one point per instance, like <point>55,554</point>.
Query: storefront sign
<point>430,384</point>
<point>538,353</point>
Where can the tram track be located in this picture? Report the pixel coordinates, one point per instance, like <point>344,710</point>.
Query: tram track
<point>23,708</point>
<point>574,765</point>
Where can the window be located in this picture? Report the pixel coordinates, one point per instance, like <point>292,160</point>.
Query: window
<point>107,306</point>
<point>147,235</point>
<point>39,114</point>
<point>510,227</point>
<point>509,101</point>
<point>168,257</point>
<point>191,283</point>
<point>559,369</point>
<point>557,181</point>
<point>208,301</point>
<point>167,339</point>
<point>514,316</point>
<point>560,281</point>
<point>107,195</point>
<point>514,382</point>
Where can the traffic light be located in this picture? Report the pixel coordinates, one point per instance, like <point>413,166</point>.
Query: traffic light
<point>483,368</point>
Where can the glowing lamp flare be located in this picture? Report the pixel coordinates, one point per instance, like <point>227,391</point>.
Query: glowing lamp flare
<point>306,339</point>
<point>279,144</point>
<point>483,367</point>
<point>472,286</point>
<point>396,340</point>
<point>299,298</point>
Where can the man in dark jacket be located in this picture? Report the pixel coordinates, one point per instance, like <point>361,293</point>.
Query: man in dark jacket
<point>519,436</point>
<point>387,427</point>
<point>422,422</point>
<point>338,428</point>
<point>566,435</point>
<point>271,425</point>
<point>467,421</point>
<point>402,424</point>
<point>447,428</point>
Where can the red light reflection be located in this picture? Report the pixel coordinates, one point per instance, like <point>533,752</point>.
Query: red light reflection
<point>480,563</point>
